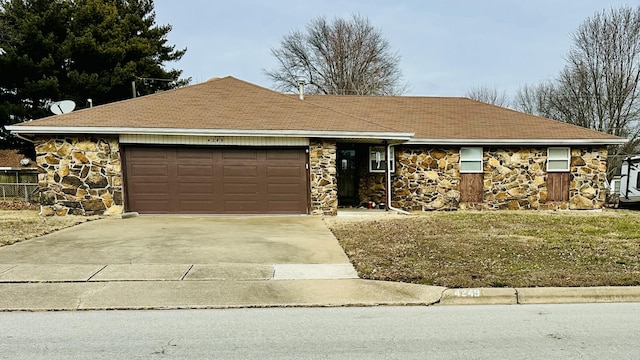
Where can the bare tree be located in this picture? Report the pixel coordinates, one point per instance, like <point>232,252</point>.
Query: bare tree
<point>535,99</point>
<point>489,95</point>
<point>599,85</point>
<point>346,57</point>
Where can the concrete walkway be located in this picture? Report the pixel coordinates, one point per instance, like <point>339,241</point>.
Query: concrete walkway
<point>219,262</point>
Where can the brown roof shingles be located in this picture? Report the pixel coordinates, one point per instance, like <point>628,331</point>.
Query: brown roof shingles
<point>233,104</point>
<point>225,103</point>
<point>12,159</point>
<point>454,118</point>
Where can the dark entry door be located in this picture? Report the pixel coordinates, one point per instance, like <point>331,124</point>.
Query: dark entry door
<point>347,178</point>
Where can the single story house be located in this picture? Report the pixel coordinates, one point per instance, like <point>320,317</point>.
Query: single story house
<point>226,146</point>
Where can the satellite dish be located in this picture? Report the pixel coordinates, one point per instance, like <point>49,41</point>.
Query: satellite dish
<point>62,107</point>
<point>24,162</point>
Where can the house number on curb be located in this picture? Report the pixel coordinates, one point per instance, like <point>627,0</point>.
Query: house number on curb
<point>467,292</point>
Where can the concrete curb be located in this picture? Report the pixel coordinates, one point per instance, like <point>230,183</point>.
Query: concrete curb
<point>479,296</point>
<point>550,295</point>
<point>578,295</point>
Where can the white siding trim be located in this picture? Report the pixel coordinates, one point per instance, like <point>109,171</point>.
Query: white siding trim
<point>212,140</point>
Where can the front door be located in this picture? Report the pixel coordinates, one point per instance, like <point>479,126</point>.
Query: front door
<point>347,174</point>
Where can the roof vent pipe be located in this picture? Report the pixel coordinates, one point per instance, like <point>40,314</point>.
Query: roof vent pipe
<point>301,83</point>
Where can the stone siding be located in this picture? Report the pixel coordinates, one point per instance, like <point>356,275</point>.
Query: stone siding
<point>426,178</point>
<point>514,178</point>
<point>588,186</point>
<point>324,184</point>
<point>79,175</point>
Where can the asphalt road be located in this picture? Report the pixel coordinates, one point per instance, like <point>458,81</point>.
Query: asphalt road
<point>586,331</point>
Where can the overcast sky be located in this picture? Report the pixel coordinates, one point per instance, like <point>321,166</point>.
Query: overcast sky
<point>447,46</point>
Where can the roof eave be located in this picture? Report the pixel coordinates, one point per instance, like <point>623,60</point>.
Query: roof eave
<point>534,142</point>
<point>51,130</point>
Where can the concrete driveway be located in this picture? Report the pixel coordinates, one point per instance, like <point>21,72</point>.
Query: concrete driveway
<point>180,248</point>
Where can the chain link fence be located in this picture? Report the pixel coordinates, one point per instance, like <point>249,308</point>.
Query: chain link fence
<point>18,191</point>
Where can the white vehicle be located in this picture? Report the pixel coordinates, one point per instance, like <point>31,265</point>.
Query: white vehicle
<point>629,181</point>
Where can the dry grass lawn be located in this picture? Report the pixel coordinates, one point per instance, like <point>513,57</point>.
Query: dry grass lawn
<point>496,249</point>
<point>19,225</point>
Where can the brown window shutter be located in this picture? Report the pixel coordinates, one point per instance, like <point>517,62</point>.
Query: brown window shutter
<point>558,186</point>
<point>471,187</point>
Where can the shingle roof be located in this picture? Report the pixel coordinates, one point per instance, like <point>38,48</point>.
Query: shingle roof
<point>224,103</point>
<point>454,118</point>
<point>232,104</point>
<point>12,159</point>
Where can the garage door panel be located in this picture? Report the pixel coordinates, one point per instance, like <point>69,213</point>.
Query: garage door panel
<point>153,206</point>
<point>283,171</point>
<point>240,188</point>
<point>195,170</point>
<point>240,171</point>
<point>196,206</point>
<point>149,154</point>
<point>192,154</point>
<point>241,207</point>
<point>150,170</point>
<point>237,154</point>
<point>281,206</point>
<point>283,154</point>
<point>216,180</point>
<point>283,189</point>
<point>196,188</point>
<point>146,188</point>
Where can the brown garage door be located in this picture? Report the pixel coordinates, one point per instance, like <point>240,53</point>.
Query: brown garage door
<point>197,180</point>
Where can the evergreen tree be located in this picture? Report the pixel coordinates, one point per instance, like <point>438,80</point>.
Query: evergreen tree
<point>54,50</point>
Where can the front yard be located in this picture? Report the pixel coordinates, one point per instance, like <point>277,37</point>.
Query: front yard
<point>496,249</point>
<point>19,225</point>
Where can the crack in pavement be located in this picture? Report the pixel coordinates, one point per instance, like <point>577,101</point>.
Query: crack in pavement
<point>96,273</point>
<point>7,270</point>
<point>81,297</point>
<point>186,273</point>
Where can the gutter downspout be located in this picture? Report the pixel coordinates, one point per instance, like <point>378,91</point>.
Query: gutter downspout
<point>388,173</point>
<point>23,138</point>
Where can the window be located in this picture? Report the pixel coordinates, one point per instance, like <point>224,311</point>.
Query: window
<point>471,160</point>
<point>377,159</point>
<point>558,159</point>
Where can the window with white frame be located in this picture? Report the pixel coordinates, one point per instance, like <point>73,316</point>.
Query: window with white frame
<point>558,159</point>
<point>378,159</point>
<point>471,160</point>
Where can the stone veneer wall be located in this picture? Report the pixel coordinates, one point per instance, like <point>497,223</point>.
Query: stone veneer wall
<point>516,178</point>
<point>79,175</point>
<point>588,188</point>
<point>324,184</point>
<point>426,178</point>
